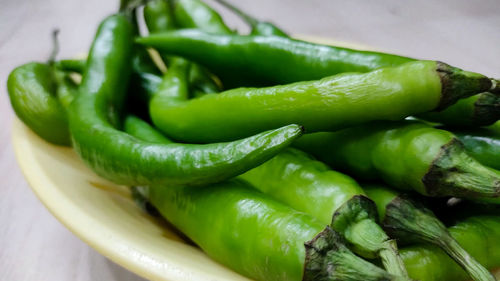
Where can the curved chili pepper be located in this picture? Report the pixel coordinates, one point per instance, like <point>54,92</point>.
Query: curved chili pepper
<point>407,155</point>
<point>328,104</point>
<point>36,91</point>
<point>410,221</point>
<point>117,156</point>
<point>257,27</point>
<point>478,235</point>
<point>259,237</point>
<point>479,110</point>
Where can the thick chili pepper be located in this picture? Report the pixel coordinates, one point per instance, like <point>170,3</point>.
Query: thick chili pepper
<point>257,27</point>
<point>478,235</point>
<point>124,159</point>
<point>257,236</point>
<point>307,185</point>
<point>36,91</point>
<point>407,155</point>
<point>482,143</point>
<point>475,111</point>
<point>329,104</point>
<point>410,221</point>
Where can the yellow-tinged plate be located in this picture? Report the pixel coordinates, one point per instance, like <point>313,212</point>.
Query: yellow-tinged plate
<point>104,215</point>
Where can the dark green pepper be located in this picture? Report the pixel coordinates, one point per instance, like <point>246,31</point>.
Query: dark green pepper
<point>196,14</point>
<point>259,237</point>
<point>410,221</point>
<point>121,158</point>
<point>257,27</point>
<point>331,103</point>
<point>478,235</point>
<point>407,155</point>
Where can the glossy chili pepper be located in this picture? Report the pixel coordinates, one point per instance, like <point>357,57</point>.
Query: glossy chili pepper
<point>407,155</point>
<point>196,14</point>
<point>478,235</point>
<point>117,156</point>
<point>36,91</point>
<point>294,178</point>
<point>410,221</point>
<point>475,111</point>
<point>258,236</point>
<point>331,103</point>
<point>482,143</point>
<point>257,27</point>
<point>158,15</point>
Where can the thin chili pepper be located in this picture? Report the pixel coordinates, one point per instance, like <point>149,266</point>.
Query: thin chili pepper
<point>478,235</point>
<point>328,104</point>
<point>257,236</point>
<point>196,14</point>
<point>257,27</point>
<point>407,155</point>
<point>410,221</point>
<point>124,159</point>
<point>479,110</point>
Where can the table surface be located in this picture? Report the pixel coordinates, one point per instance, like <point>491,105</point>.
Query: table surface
<point>35,246</point>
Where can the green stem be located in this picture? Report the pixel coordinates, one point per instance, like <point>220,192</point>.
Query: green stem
<point>328,259</point>
<point>455,173</point>
<point>356,221</point>
<point>410,221</point>
<point>246,17</point>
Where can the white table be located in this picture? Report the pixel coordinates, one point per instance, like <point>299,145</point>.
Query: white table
<point>34,246</point>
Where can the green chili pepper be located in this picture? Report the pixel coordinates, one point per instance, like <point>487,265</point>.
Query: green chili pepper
<point>475,111</point>
<point>307,185</point>
<point>410,221</point>
<point>482,143</point>
<point>407,155</point>
<point>258,27</point>
<point>36,91</point>
<point>329,104</point>
<point>257,236</point>
<point>124,159</point>
<point>196,14</point>
<point>478,235</point>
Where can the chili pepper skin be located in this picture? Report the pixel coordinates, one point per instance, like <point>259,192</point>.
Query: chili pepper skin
<point>410,221</point>
<point>35,94</point>
<point>257,27</point>
<point>482,143</point>
<point>479,110</point>
<point>257,236</point>
<point>407,155</point>
<point>124,159</point>
<point>142,130</point>
<point>295,179</point>
<point>328,104</point>
<point>478,235</point>
<point>196,14</point>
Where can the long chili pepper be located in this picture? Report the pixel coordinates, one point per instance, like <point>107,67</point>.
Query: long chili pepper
<point>257,236</point>
<point>478,235</point>
<point>406,155</point>
<point>410,221</point>
<point>94,117</point>
<point>479,110</point>
<point>331,103</point>
<point>257,27</point>
<point>307,185</point>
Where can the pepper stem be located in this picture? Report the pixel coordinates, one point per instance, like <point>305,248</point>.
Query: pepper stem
<point>412,222</point>
<point>328,259</point>
<point>455,173</point>
<point>55,47</point>
<point>246,17</point>
<point>356,221</point>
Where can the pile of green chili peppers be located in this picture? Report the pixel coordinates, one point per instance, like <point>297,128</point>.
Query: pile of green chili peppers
<point>282,159</point>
